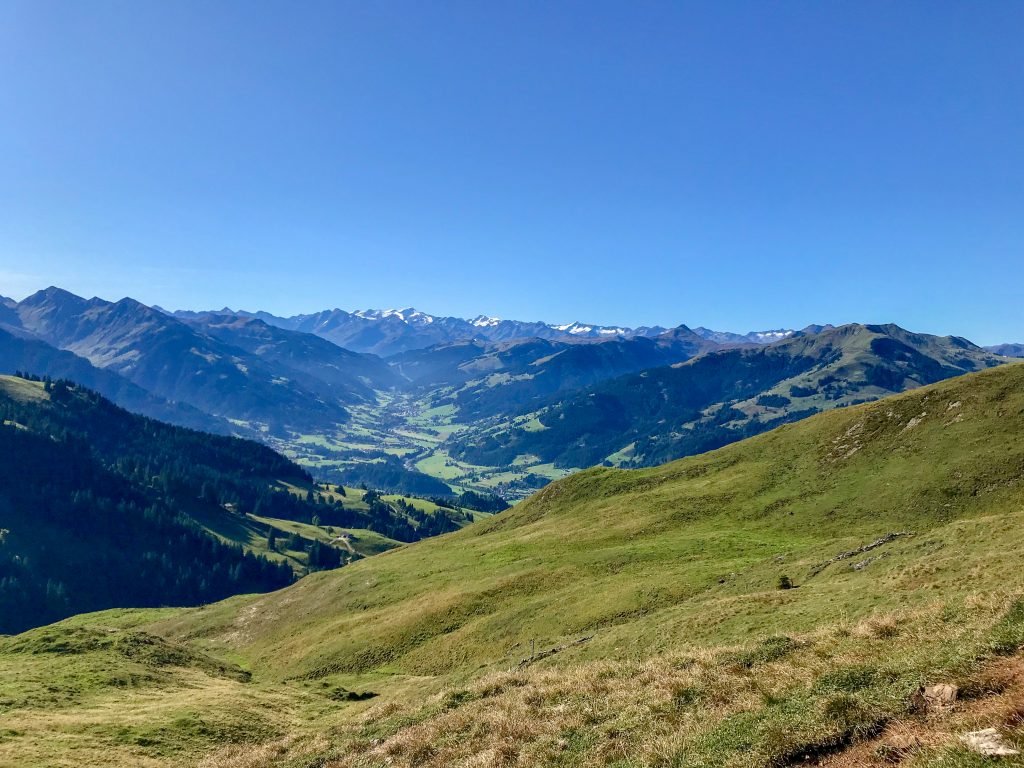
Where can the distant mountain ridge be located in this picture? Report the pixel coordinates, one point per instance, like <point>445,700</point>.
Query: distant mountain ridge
<point>485,379</point>
<point>1007,350</point>
<point>388,332</point>
<point>248,372</point>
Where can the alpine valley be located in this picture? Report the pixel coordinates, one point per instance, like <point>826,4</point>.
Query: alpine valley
<point>408,402</point>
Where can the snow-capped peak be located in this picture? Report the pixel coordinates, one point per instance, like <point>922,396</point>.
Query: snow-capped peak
<point>577,328</point>
<point>483,321</point>
<point>407,315</point>
<point>768,336</point>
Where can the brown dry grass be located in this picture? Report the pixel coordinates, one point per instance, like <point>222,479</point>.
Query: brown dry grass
<point>601,713</point>
<point>993,696</point>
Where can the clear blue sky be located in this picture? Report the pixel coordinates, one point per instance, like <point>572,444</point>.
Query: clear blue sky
<point>736,165</point>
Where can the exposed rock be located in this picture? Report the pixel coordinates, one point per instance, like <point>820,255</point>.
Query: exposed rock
<point>915,421</point>
<point>860,550</point>
<point>940,696</point>
<point>934,697</point>
<point>868,561</point>
<point>988,742</point>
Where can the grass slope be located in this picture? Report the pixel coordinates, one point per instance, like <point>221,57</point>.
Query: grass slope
<point>616,618</point>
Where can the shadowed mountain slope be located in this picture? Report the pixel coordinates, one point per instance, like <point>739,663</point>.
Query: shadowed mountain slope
<point>172,360</point>
<point>100,507</point>
<point>97,505</point>
<point>20,351</point>
<point>485,379</point>
<point>318,363</point>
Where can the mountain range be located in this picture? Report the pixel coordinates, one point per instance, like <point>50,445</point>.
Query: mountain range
<point>483,405</point>
<point>1007,350</point>
<point>233,372</point>
<point>393,331</point>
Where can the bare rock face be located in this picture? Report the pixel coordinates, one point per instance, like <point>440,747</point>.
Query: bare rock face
<point>988,742</point>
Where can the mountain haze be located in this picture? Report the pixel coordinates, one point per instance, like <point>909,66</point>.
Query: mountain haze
<point>20,351</point>
<point>488,379</point>
<point>348,376</point>
<point>1008,350</point>
<point>181,363</point>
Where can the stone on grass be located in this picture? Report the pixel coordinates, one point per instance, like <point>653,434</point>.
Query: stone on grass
<point>988,742</point>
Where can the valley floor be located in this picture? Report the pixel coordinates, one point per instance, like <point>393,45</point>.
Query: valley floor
<point>412,430</point>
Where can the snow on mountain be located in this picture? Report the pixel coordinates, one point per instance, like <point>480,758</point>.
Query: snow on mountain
<point>767,337</point>
<point>407,315</point>
<point>391,331</point>
<point>575,328</point>
<point>483,321</point>
<point>753,337</point>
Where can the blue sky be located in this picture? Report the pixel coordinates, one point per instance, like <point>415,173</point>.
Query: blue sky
<point>735,165</point>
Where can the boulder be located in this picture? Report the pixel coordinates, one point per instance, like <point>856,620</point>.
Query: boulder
<point>940,696</point>
<point>934,697</point>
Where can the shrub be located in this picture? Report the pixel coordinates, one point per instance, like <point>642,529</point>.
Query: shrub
<point>773,401</point>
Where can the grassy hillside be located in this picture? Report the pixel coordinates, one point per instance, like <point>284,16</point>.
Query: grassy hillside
<point>618,617</point>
